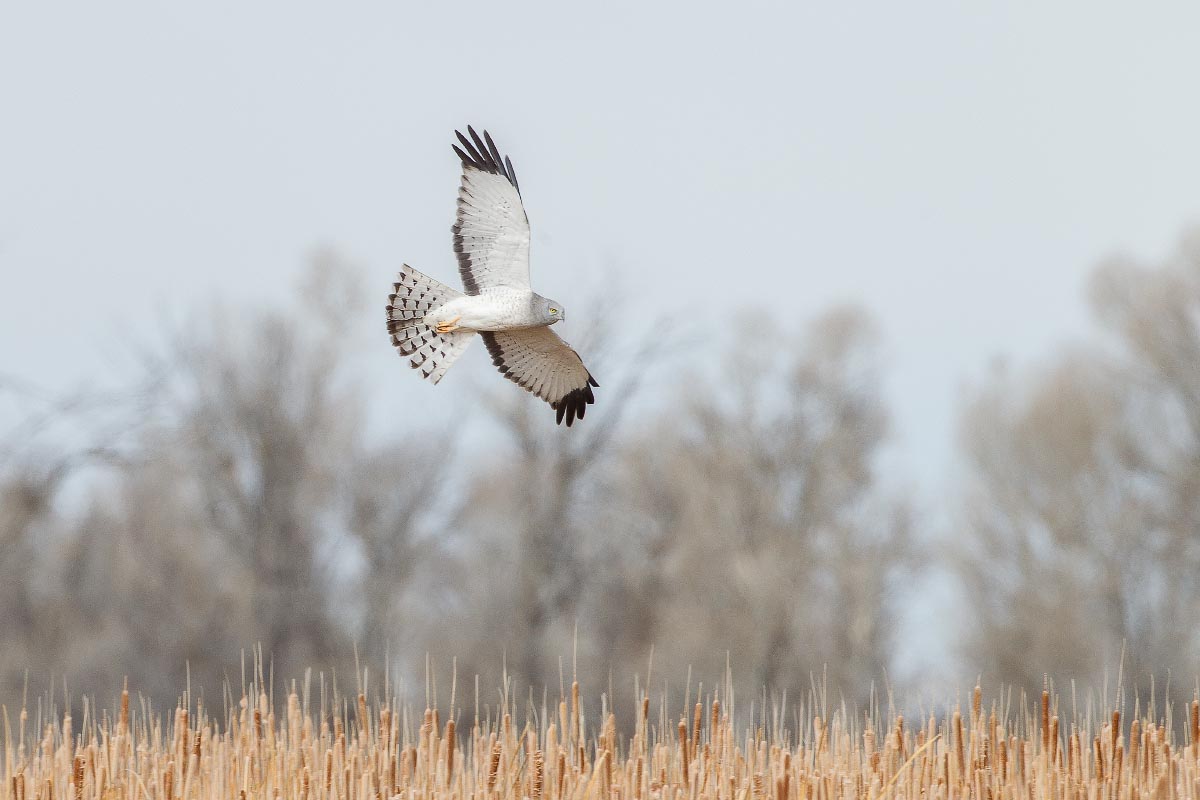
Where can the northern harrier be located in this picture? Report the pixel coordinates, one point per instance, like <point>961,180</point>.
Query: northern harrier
<point>432,324</point>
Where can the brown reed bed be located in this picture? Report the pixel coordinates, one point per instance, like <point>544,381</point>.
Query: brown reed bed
<point>355,748</point>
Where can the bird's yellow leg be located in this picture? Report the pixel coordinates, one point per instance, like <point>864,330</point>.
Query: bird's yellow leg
<point>449,326</point>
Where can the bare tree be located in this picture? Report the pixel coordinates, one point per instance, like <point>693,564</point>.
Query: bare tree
<point>760,513</point>
<point>25,511</point>
<point>1082,518</point>
<point>531,518</point>
<point>392,491</point>
<point>220,526</point>
<point>744,518</point>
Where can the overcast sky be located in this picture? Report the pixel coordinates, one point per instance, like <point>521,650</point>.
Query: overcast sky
<point>956,167</point>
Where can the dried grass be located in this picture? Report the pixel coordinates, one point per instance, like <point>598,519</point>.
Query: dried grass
<point>356,749</point>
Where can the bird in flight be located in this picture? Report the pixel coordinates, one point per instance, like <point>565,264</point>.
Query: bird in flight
<point>431,324</point>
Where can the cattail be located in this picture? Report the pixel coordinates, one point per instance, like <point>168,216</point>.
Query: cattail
<point>683,750</point>
<point>494,767</point>
<point>1116,731</point>
<point>538,767</point>
<point>576,719</point>
<point>1196,724</point>
<point>260,754</point>
<point>1046,719</point>
<point>364,721</point>
<point>123,719</point>
<point>958,744</point>
<point>1135,736</point>
<point>77,776</point>
<point>1054,739</point>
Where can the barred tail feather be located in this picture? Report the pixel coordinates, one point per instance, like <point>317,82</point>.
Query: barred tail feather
<point>413,296</point>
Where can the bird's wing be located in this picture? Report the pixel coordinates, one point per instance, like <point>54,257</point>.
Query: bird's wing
<point>491,230</point>
<point>540,362</point>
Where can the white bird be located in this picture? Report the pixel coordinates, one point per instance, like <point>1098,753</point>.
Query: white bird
<point>432,324</point>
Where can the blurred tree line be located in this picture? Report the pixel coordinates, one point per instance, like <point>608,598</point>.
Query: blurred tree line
<point>742,520</point>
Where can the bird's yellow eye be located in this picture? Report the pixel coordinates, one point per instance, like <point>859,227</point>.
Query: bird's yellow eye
<point>553,310</point>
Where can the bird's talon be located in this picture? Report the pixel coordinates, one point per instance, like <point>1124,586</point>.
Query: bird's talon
<point>449,326</point>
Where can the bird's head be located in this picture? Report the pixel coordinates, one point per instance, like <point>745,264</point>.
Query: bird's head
<point>552,311</point>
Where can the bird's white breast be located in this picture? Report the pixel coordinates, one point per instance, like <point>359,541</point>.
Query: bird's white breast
<point>494,309</point>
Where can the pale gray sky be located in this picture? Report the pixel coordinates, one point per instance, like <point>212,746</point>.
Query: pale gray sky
<point>956,167</point>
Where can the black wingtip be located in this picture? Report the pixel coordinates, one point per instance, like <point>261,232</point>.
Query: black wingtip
<point>574,404</point>
<point>482,154</point>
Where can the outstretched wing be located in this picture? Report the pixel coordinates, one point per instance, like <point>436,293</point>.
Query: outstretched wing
<point>491,230</point>
<point>540,362</point>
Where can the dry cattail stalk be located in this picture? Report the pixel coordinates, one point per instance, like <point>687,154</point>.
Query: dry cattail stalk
<point>576,718</point>
<point>1195,728</point>
<point>494,768</point>
<point>683,751</point>
<point>260,753</point>
<point>363,719</point>
<point>1116,732</point>
<point>1054,739</point>
<point>538,774</point>
<point>958,744</point>
<point>1046,719</point>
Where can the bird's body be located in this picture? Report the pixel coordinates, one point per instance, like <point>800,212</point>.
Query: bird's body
<point>433,324</point>
<point>495,309</point>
